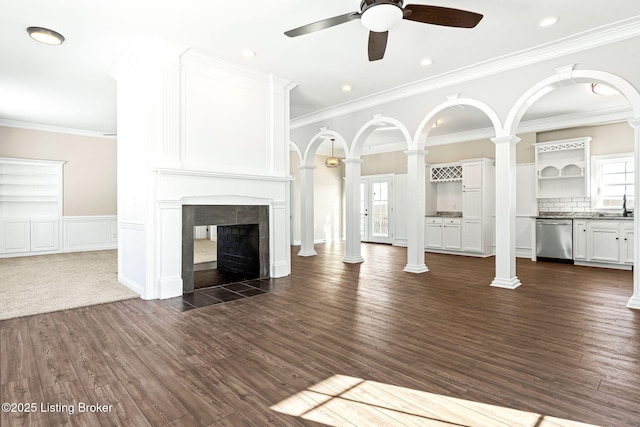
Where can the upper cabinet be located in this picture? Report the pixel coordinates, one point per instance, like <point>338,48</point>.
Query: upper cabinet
<point>562,168</point>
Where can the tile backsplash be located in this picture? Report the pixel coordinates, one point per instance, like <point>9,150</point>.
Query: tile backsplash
<point>565,204</point>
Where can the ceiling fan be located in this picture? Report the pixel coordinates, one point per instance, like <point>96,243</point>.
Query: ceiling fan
<point>378,16</point>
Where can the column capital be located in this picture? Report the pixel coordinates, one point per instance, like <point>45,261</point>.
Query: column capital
<point>352,161</point>
<point>415,152</point>
<point>510,139</point>
<point>635,122</point>
<point>306,167</point>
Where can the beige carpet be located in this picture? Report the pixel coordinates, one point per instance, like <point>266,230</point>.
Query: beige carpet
<point>46,283</point>
<point>204,250</point>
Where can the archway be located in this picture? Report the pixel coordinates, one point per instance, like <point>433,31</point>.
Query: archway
<point>353,166</point>
<point>307,205</point>
<point>478,229</point>
<point>567,76</point>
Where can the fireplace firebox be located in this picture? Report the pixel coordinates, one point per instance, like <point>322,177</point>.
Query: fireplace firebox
<point>243,239</point>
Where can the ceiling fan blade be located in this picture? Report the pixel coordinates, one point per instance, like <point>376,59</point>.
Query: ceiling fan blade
<point>321,25</point>
<point>445,16</point>
<point>377,45</point>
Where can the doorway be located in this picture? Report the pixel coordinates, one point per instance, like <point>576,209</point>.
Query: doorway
<point>376,207</point>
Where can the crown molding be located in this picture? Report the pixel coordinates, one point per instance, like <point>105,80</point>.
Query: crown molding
<point>585,40</point>
<point>57,129</point>
<point>600,117</point>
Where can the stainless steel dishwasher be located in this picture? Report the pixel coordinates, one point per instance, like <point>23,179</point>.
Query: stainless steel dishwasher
<point>554,240</point>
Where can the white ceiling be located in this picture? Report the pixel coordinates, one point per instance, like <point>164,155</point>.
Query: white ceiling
<point>68,86</point>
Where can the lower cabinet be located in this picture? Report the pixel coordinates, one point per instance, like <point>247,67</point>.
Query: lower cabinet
<point>15,236</point>
<point>451,234</point>
<point>603,241</point>
<point>447,234</point>
<point>29,235</point>
<point>433,233</point>
<point>472,235</point>
<point>44,235</point>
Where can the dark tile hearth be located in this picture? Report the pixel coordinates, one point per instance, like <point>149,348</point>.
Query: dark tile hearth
<point>221,293</point>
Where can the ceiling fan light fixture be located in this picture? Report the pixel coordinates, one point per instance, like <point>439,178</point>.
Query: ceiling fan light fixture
<point>381,17</point>
<point>45,35</point>
<point>600,89</point>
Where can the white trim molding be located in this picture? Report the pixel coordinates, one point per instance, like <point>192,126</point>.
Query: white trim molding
<point>89,233</point>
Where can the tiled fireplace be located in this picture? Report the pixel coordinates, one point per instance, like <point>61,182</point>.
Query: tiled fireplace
<point>243,239</point>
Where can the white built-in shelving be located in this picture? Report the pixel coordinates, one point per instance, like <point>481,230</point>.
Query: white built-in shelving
<point>30,205</point>
<point>562,168</point>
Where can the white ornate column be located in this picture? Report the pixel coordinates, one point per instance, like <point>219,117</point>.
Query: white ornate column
<point>506,212</point>
<point>634,301</point>
<point>416,211</point>
<point>352,211</point>
<point>306,211</point>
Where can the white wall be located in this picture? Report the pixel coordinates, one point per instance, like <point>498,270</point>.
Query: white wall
<point>328,197</point>
<point>194,130</point>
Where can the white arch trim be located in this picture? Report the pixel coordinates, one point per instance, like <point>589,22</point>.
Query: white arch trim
<point>317,140</point>
<point>420,138</point>
<point>566,78</point>
<point>369,127</point>
<point>295,148</point>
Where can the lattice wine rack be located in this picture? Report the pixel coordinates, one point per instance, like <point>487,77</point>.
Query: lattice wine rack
<point>447,173</point>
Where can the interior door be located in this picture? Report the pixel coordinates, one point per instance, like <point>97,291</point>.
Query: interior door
<point>376,207</point>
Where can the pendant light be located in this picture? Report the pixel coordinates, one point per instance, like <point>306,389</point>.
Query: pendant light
<point>333,161</point>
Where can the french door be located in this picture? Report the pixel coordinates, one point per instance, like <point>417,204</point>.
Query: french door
<point>376,207</point>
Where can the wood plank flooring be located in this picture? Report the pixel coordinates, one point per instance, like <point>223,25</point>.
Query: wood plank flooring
<point>342,345</point>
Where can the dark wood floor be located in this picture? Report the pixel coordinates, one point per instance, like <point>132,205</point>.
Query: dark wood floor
<point>338,344</point>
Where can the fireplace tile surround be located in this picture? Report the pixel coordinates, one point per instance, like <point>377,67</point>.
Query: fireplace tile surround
<point>247,224</point>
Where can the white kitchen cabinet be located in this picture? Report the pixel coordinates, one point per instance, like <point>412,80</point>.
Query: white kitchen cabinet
<point>472,203</point>
<point>472,235</point>
<point>626,242</point>
<point>451,233</point>
<point>468,186</point>
<point>603,241</point>
<point>433,233</point>
<point>579,240</point>
<point>472,174</point>
<point>478,205</point>
<point>562,168</point>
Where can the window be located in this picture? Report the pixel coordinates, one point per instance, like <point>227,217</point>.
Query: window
<point>613,181</point>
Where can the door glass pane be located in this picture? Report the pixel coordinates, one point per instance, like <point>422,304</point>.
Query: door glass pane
<point>380,209</point>
<point>362,210</point>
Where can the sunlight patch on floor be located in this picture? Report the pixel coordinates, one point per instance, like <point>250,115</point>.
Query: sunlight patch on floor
<point>343,400</point>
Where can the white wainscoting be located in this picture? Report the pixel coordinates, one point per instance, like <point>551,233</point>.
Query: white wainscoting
<point>89,233</point>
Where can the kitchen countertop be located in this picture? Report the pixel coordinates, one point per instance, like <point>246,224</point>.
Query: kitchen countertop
<point>580,215</point>
<point>445,214</point>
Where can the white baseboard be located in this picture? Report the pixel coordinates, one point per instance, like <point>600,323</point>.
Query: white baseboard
<point>135,287</point>
<point>89,233</point>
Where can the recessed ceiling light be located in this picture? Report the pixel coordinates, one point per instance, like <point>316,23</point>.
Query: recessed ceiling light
<point>600,89</point>
<point>426,62</point>
<point>548,21</point>
<point>346,88</point>
<point>248,53</point>
<point>45,35</point>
